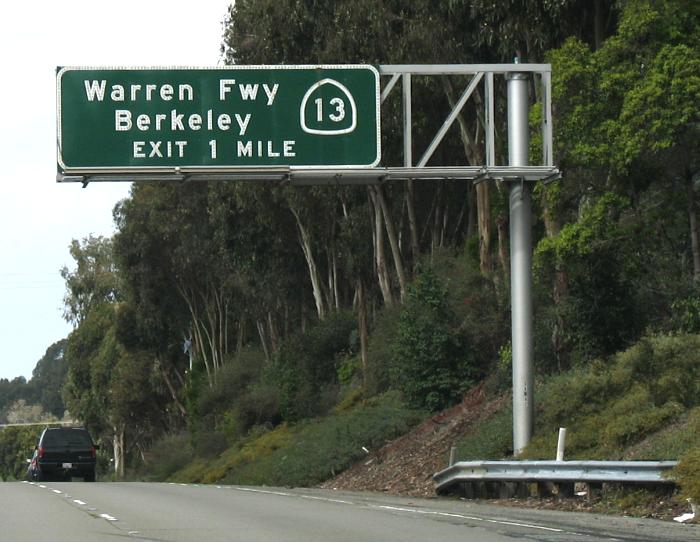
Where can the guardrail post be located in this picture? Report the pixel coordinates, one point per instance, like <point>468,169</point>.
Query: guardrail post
<point>593,490</point>
<point>520,265</point>
<point>565,490</point>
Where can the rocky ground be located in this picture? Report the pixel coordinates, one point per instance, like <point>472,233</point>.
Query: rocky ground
<point>405,467</point>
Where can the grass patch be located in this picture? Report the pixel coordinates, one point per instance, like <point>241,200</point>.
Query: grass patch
<point>322,448</point>
<point>688,474</point>
<point>490,438</point>
<point>640,399</point>
<point>673,441</point>
<point>259,444</point>
<point>168,455</point>
<point>311,451</point>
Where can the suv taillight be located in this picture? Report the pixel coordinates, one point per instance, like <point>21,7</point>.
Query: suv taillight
<point>41,452</point>
<point>94,452</point>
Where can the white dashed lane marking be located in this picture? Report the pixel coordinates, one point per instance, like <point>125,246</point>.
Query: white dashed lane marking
<point>90,510</point>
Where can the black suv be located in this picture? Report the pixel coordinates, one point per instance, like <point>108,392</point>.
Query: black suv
<point>63,452</point>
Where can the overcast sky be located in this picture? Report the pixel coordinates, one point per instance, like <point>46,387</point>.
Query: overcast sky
<point>38,217</point>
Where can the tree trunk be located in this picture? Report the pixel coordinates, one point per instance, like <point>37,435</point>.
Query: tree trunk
<point>445,221</point>
<point>201,338</point>
<point>412,222</point>
<point>437,217</point>
<point>263,339</point>
<point>380,254</point>
<point>240,339</point>
<point>693,222</point>
<point>333,291</point>
<point>362,327</point>
<point>274,334</point>
<point>302,311</point>
<point>475,156</point>
<point>483,213</point>
<point>458,222</point>
<point>305,240</point>
<point>171,388</point>
<point>599,24</point>
<point>471,212</point>
<point>393,239</point>
<point>118,446</point>
<point>559,288</point>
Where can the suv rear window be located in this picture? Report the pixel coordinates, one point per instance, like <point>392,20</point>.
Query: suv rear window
<point>66,438</point>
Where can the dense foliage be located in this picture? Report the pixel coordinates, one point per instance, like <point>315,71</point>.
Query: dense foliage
<point>16,446</point>
<point>432,363</point>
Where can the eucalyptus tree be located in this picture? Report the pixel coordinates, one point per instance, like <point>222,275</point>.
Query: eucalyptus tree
<point>106,388</point>
<point>110,389</point>
<point>48,377</point>
<point>626,134</point>
<point>174,277</point>
<point>92,282</point>
<point>257,236</point>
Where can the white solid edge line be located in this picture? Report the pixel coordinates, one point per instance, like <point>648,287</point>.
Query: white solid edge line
<point>413,511</point>
<point>473,518</point>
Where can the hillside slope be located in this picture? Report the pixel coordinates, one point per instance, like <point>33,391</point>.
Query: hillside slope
<point>406,465</point>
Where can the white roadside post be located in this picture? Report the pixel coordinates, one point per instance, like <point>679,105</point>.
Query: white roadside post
<point>561,444</point>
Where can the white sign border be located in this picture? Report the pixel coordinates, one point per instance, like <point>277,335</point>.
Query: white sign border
<point>61,70</point>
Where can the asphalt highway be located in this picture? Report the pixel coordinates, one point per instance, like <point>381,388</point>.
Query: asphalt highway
<point>95,512</point>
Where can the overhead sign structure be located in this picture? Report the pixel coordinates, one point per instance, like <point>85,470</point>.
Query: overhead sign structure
<point>118,120</point>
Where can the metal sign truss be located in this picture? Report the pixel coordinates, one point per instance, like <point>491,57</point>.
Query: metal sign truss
<point>482,75</point>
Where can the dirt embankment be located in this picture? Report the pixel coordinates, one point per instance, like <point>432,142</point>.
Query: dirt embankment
<point>405,466</point>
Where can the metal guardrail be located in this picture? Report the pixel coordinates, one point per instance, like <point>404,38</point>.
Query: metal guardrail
<point>592,472</point>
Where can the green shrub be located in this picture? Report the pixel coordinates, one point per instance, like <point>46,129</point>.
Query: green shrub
<point>431,363</point>
<point>686,314</point>
<point>349,367</point>
<point>259,405</point>
<point>480,307</point>
<point>380,350</point>
<point>209,444</point>
<point>623,402</point>
<point>168,455</point>
<point>16,446</point>
<point>490,438</point>
<point>304,369</point>
<point>572,395</point>
<point>687,474</point>
<point>633,417</point>
<point>231,381</point>
<point>672,441</point>
<point>669,365</point>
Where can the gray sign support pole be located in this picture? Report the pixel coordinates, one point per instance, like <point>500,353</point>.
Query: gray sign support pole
<point>520,265</point>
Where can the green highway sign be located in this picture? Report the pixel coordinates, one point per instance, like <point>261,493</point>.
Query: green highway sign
<point>114,120</point>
